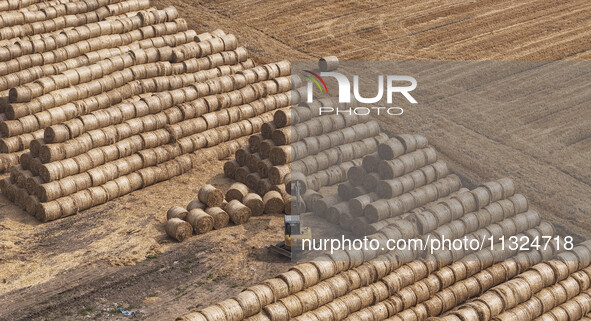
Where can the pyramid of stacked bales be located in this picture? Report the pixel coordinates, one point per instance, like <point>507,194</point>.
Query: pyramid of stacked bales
<point>420,283</point>
<point>39,41</point>
<point>112,106</point>
<point>302,143</point>
<point>400,179</point>
<point>556,290</point>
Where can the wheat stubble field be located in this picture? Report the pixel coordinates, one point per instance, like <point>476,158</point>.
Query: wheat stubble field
<point>117,254</point>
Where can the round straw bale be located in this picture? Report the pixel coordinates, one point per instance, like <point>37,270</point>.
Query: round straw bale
<point>273,202</point>
<point>277,311</point>
<point>214,312</point>
<point>292,180</point>
<point>263,167</point>
<point>345,190</point>
<point>370,162</point>
<point>239,213</point>
<point>377,211</point>
<point>467,200</point>
<point>441,169</point>
<point>265,148</point>
<point>508,186</point>
<point>280,155</point>
<point>278,173</point>
<point>279,288</point>
<point>583,256</point>
<point>192,316</point>
<point>426,222</point>
<point>201,221</point>
<point>571,310</point>
<point>196,204</point>
<point>408,201</point>
<point>263,186</point>
<point>249,302</point>
<point>237,191</point>
<point>519,202</point>
<point>389,188</point>
<point>264,294</point>
<point>522,289</point>
<point>178,229</point>
<point>482,197</point>
<point>370,182</point>
<point>255,203</point>
<point>241,155</point>
<point>294,279</point>
<point>310,197</point>
<point>321,206</point>
<point>390,169</point>
<point>291,205</point>
<point>232,309</point>
<point>283,118</point>
<point>241,174</point>
<point>252,161</point>
<point>427,155</point>
<point>309,273</point>
<point>284,136</point>
<point>357,204</point>
<point>408,141</point>
<point>220,217</point>
<point>419,178</point>
<point>211,196</point>
<point>176,211</point>
<point>495,190</point>
<point>267,130</point>
<point>390,149</point>
<point>328,63</point>
<point>230,168</point>
<point>356,175</point>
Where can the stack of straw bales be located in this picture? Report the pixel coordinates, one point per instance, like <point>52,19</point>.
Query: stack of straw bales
<point>99,102</point>
<point>402,177</point>
<point>555,290</point>
<point>299,143</point>
<point>423,283</point>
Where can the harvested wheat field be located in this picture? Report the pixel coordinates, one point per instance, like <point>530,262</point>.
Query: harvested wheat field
<point>178,94</point>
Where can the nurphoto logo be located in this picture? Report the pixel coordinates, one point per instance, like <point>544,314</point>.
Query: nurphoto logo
<point>390,85</point>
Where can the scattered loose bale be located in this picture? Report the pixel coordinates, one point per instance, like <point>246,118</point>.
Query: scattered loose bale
<point>200,220</point>
<point>239,213</point>
<point>178,229</point>
<point>176,212</point>
<point>211,196</point>
<point>220,217</point>
<point>237,191</point>
<point>196,204</point>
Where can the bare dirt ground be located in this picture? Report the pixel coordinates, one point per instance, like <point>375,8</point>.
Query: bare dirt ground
<point>117,255</point>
